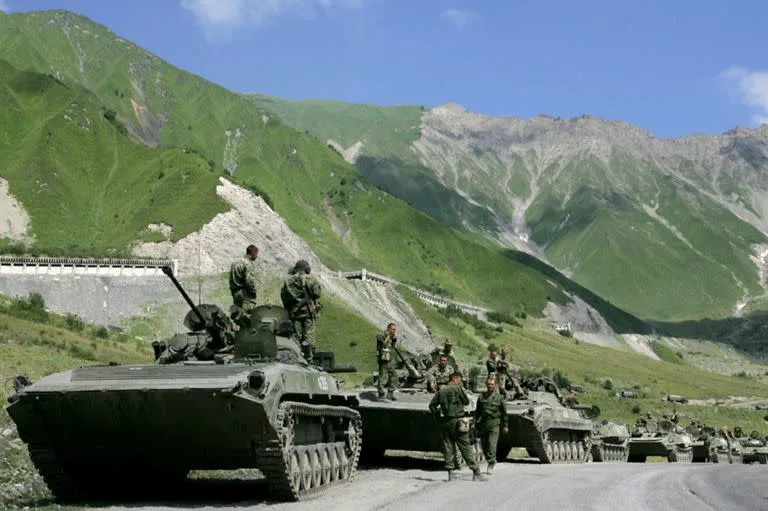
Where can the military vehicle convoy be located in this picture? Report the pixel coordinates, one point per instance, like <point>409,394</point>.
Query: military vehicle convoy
<point>218,400</point>
<point>548,430</point>
<point>659,438</point>
<point>610,442</point>
<point>753,448</point>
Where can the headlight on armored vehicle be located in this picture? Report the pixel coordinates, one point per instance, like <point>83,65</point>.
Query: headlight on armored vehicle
<point>256,380</point>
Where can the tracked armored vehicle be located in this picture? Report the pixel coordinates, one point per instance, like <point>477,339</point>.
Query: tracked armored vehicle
<point>221,400</point>
<point>548,430</point>
<point>610,442</point>
<point>404,424</point>
<point>753,448</point>
<point>662,438</point>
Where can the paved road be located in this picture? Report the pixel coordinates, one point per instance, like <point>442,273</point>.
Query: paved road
<point>420,484</point>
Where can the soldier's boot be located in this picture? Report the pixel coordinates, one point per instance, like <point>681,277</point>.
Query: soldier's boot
<point>478,476</point>
<point>450,475</point>
<point>391,395</point>
<point>306,351</point>
<point>490,468</point>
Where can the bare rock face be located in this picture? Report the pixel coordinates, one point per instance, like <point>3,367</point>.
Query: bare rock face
<point>510,157</point>
<point>14,220</point>
<point>211,250</point>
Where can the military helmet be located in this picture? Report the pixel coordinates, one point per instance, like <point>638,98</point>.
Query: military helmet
<point>301,266</point>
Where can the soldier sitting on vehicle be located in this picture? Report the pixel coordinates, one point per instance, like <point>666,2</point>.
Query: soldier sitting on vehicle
<point>439,375</point>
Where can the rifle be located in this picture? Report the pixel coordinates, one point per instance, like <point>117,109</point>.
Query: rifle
<point>307,301</point>
<point>412,371</point>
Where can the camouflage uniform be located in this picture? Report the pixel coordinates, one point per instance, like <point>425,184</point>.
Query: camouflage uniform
<point>438,376</point>
<point>385,356</point>
<point>299,295</point>
<point>242,284</point>
<point>447,406</point>
<point>491,413</point>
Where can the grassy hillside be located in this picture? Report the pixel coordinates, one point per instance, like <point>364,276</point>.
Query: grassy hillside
<point>346,220</point>
<point>87,187</point>
<point>537,350</point>
<point>624,221</point>
<point>386,158</point>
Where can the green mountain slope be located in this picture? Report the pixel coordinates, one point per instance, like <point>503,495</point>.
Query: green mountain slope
<point>346,220</point>
<point>679,223</point>
<point>384,135</point>
<point>88,187</point>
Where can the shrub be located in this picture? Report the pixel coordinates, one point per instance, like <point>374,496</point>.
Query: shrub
<point>101,332</point>
<point>636,408</point>
<point>608,384</point>
<point>561,380</point>
<point>74,323</point>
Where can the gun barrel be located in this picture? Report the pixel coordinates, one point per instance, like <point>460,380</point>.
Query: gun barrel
<point>346,368</point>
<point>169,272</point>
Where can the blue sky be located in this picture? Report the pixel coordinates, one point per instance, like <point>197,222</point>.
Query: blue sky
<point>672,67</point>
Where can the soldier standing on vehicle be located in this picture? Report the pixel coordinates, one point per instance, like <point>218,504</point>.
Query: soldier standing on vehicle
<point>385,344</point>
<point>448,408</point>
<point>299,295</point>
<point>242,282</point>
<point>491,415</point>
<point>439,375</point>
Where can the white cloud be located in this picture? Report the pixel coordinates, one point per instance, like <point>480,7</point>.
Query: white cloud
<point>3,6</point>
<point>459,18</point>
<point>220,18</point>
<point>751,88</point>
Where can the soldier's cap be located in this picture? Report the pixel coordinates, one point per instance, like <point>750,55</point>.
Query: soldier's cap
<point>448,342</point>
<point>301,266</point>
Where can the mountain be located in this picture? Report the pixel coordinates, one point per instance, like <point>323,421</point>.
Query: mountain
<point>668,229</point>
<point>157,109</point>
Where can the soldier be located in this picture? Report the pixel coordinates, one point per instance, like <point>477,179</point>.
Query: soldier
<point>502,372</point>
<point>439,375</point>
<point>448,408</point>
<point>492,364</point>
<point>447,351</point>
<point>299,294</point>
<point>490,414</point>
<point>242,283</point>
<point>385,343</point>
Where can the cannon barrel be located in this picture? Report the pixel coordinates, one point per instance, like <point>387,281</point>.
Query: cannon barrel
<point>169,272</point>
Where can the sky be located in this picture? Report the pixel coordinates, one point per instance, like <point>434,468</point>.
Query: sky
<point>672,67</point>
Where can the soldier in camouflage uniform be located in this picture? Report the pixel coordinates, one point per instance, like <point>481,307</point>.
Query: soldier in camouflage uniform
<point>242,282</point>
<point>299,295</point>
<point>448,408</point>
<point>491,415</point>
<point>439,375</point>
<point>385,344</point>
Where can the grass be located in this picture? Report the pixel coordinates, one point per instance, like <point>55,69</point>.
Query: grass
<point>38,349</point>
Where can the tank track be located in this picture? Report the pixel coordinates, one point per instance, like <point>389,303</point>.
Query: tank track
<point>575,451</point>
<point>610,453</point>
<point>54,475</point>
<point>678,455</point>
<point>301,472</point>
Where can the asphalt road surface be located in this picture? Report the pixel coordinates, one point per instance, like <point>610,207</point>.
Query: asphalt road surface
<point>421,484</point>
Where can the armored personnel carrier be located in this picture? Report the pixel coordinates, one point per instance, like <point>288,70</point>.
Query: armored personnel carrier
<point>610,442</point>
<point>406,423</point>
<point>659,438</point>
<point>544,426</point>
<point>753,448</point>
<point>724,448</point>
<point>228,400</point>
